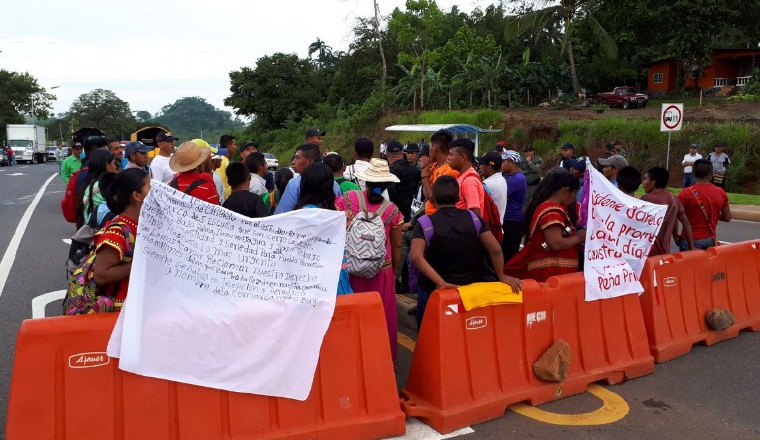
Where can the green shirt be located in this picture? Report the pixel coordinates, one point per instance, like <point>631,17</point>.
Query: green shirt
<point>346,185</point>
<point>69,166</point>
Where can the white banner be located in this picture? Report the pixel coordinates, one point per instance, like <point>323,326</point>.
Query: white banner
<point>224,301</point>
<point>621,229</point>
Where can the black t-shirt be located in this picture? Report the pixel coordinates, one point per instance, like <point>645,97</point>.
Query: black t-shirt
<point>403,192</point>
<point>455,251</point>
<point>246,203</point>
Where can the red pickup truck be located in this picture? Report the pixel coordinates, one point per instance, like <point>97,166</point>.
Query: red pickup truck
<point>626,97</point>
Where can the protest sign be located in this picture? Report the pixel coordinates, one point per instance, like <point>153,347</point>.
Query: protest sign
<point>621,229</point>
<point>224,301</point>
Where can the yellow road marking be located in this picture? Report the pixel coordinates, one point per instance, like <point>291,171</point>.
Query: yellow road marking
<point>406,341</point>
<point>613,409</point>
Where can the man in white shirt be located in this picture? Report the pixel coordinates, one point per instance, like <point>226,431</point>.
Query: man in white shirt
<point>688,165</point>
<point>159,167</point>
<point>364,149</point>
<point>489,168</point>
<point>257,166</point>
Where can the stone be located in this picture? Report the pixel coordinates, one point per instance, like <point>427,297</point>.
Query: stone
<point>720,319</point>
<point>554,364</point>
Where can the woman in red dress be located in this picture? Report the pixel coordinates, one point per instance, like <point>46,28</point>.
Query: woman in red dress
<point>551,240</point>
<point>115,243</point>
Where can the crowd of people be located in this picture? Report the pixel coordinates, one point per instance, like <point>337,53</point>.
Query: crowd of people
<point>444,215</point>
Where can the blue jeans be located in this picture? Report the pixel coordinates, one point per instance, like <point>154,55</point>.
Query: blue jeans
<point>688,180</point>
<point>702,243</point>
<point>12,161</point>
<point>422,299</point>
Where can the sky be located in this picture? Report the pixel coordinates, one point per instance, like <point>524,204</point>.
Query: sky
<point>151,53</point>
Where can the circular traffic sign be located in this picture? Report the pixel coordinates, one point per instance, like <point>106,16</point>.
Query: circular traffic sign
<point>671,121</point>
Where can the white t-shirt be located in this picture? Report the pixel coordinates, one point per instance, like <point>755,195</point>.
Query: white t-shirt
<point>258,185</point>
<point>689,158</point>
<point>359,166</point>
<point>497,187</point>
<point>219,186</point>
<point>159,167</point>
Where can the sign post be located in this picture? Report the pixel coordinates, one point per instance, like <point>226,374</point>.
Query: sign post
<point>671,119</point>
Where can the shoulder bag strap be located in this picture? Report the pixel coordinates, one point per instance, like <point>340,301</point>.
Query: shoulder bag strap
<point>427,228</point>
<point>476,222</point>
<point>696,195</point>
<point>194,185</point>
<point>174,183</point>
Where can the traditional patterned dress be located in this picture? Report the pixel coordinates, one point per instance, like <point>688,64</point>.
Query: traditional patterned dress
<point>536,261</point>
<point>113,235</point>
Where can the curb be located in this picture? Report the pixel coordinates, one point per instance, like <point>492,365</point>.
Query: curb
<point>403,304</point>
<point>747,213</point>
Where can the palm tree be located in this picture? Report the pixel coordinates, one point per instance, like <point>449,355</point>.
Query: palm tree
<point>324,52</point>
<point>564,15</point>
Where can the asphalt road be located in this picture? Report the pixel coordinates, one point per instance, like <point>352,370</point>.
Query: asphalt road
<point>711,393</point>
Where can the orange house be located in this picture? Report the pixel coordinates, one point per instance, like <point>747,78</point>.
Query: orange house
<point>728,67</point>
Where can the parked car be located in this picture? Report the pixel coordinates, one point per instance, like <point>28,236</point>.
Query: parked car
<point>272,162</point>
<point>51,153</point>
<point>3,157</point>
<point>626,97</point>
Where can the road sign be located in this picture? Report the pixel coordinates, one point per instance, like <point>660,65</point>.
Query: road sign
<point>671,117</point>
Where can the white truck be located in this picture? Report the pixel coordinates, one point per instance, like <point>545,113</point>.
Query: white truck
<point>28,142</point>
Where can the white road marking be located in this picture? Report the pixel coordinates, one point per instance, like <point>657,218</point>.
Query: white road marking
<point>39,302</point>
<point>67,241</point>
<point>416,430</point>
<point>724,242</point>
<point>742,221</point>
<point>10,253</point>
<point>16,174</point>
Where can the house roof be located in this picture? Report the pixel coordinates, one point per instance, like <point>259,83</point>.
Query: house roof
<point>744,52</point>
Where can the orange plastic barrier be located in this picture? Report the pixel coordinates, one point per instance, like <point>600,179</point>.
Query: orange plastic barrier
<point>680,289</point>
<point>468,367</point>
<point>65,387</point>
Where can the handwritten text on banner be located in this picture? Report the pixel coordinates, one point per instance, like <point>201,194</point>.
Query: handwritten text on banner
<point>621,229</point>
<point>223,301</point>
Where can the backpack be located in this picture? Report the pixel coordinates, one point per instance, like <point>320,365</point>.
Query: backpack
<point>69,201</point>
<point>491,215</point>
<point>365,238</point>
<point>83,296</point>
<point>427,230</point>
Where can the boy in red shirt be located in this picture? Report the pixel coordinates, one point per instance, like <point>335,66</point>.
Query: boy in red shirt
<point>704,204</point>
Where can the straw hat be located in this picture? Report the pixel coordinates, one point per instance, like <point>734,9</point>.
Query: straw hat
<point>377,172</point>
<point>188,156</point>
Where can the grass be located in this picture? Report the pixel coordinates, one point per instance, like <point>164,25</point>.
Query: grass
<point>733,198</point>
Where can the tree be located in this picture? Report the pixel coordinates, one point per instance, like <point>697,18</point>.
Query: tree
<point>102,109</point>
<point>419,32</point>
<point>190,116</point>
<point>281,87</point>
<point>565,15</point>
<point>21,94</point>
<point>695,24</point>
<point>143,116</point>
<point>323,51</point>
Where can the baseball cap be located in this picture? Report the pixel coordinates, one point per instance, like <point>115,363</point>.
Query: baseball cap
<point>166,136</point>
<point>136,147</point>
<point>616,161</point>
<point>247,144</point>
<point>394,147</point>
<point>718,144</point>
<point>412,148</point>
<point>425,150</point>
<point>512,155</point>
<point>491,158</point>
<point>568,146</point>
<point>313,131</point>
<point>202,143</point>
<point>499,147</point>
<point>529,147</point>
<point>579,164</point>
<point>693,146</point>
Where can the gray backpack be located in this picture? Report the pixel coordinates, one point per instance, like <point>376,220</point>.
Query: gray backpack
<point>365,238</point>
